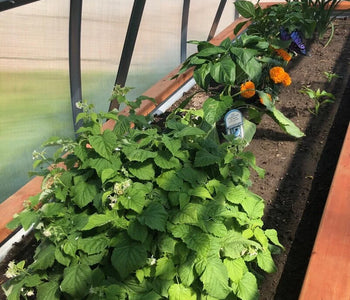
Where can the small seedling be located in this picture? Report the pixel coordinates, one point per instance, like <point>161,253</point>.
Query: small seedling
<point>331,75</point>
<point>320,98</point>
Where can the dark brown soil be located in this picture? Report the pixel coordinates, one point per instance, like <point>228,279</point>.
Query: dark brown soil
<point>298,172</point>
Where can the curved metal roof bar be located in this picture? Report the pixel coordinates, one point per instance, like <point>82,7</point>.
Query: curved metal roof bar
<point>184,29</point>
<point>74,57</point>
<point>8,4</point>
<point>129,44</point>
<point>216,19</point>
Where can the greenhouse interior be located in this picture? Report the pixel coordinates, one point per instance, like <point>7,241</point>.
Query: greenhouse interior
<point>182,150</point>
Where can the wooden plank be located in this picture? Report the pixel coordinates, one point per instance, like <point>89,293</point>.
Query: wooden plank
<point>328,275</point>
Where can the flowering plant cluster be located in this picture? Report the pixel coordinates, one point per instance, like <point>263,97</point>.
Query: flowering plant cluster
<point>249,71</point>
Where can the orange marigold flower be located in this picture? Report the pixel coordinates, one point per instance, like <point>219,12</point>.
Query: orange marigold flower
<point>248,89</point>
<point>284,54</point>
<point>287,80</point>
<point>268,96</point>
<point>277,74</point>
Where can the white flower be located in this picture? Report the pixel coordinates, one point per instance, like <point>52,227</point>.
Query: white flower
<point>11,270</point>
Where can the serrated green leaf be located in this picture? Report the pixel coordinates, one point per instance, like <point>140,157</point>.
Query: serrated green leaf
<point>93,245</point>
<point>261,237</point>
<point>187,215</point>
<point>253,205</point>
<point>62,258</point>
<point>97,220</point>
<point>247,288</point>
<point>165,160</point>
<point>265,261</point>
<point>173,145</point>
<point>134,154</point>
<point>128,256</point>
<point>137,231</point>
<point>28,218</point>
<point>165,268</point>
<point>180,292</point>
<point>273,237</point>
<point>107,174</point>
<point>186,272</point>
<point>48,291</point>
<point>169,181</point>
<point>215,279</point>
<point>188,131</point>
<point>76,280</point>
<point>104,144</point>
<point>84,192</point>
<point>143,171</point>
<point>234,194</point>
<point>235,268</point>
<point>235,246</point>
<point>53,209</point>
<point>204,158</point>
<point>44,256</point>
<point>154,216</point>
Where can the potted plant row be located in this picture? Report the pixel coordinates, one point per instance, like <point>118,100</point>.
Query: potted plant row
<point>143,211</point>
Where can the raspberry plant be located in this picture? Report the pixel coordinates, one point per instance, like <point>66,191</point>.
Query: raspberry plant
<point>143,212</point>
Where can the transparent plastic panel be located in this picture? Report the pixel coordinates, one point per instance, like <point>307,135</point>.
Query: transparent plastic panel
<point>103,30</point>
<point>34,86</point>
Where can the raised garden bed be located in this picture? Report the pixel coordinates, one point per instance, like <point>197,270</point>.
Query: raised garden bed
<point>299,172</point>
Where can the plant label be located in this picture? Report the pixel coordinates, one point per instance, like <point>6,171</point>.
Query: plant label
<point>234,123</point>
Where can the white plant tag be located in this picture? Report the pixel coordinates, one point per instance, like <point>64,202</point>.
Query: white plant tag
<point>234,123</point>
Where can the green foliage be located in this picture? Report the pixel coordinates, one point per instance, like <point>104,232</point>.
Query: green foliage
<point>319,97</point>
<point>145,213</point>
<point>221,70</point>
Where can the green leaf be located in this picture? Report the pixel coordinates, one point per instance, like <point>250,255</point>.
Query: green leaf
<point>143,171</point>
<point>169,181</point>
<point>53,209</point>
<point>76,280</point>
<point>200,192</point>
<point>287,125</point>
<point>48,291</point>
<point>165,160</point>
<point>234,245</point>
<point>165,268</point>
<point>235,268</point>
<point>154,216</point>
<point>173,145</point>
<point>44,256</point>
<point>128,256</point>
<point>104,144</point>
<point>213,110</point>
<point>186,272</point>
<point>224,71</point>
<point>188,131</point>
<point>215,279</point>
<point>234,194</point>
<point>273,237</point>
<point>137,231</point>
<point>245,8</point>
<point>180,292</point>
<point>62,257</point>
<point>265,261</point>
<point>97,220</point>
<point>201,76</point>
<point>28,218</point>
<point>247,288</point>
<point>253,206</point>
<point>140,155</point>
<point>193,237</point>
<point>84,192</point>
<point>204,158</point>
<point>211,50</point>
<point>93,245</point>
